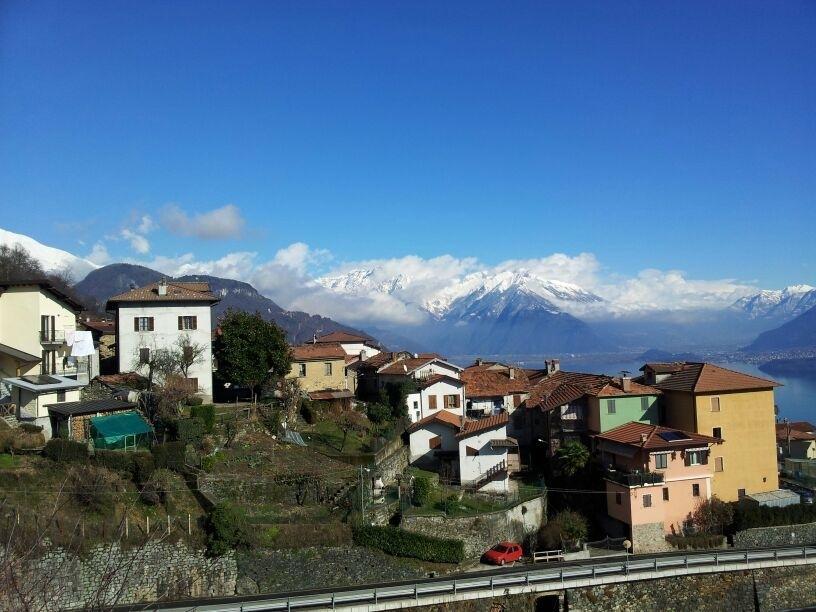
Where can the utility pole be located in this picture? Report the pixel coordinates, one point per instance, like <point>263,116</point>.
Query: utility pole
<point>362,500</point>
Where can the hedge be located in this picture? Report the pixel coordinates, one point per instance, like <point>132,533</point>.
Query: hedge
<point>31,427</point>
<point>169,456</point>
<point>207,414</point>
<point>119,461</point>
<point>143,467</point>
<point>190,431</point>
<point>65,450</point>
<point>702,541</point>
<point>401,543</point>
<point>748,515</point>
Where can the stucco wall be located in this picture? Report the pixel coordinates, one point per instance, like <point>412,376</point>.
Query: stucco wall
<point>627,408</point>
<point>419,402</point>
<point>316,378</point>
<point>166,334</point>
<point>471,468</point>
<point>419,441</point>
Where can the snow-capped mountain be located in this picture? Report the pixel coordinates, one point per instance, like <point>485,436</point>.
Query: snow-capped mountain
<point>778,303</point>
<point>479,292</point>
<point>50,258</point>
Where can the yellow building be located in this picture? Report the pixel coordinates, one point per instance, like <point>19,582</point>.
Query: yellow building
<point>321,367</point>
<point>34,370</point>
<point>739,408</point>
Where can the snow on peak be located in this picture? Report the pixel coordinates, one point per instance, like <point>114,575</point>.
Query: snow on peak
<point>51,259</point>
<point>790,301</point>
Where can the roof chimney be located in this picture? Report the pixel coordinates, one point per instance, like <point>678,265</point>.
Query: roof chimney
<point>162,289</point>
<point>479,361</point>
<point>314,338</point>
<point>626,382</point>
<point>511,372</point>
<point>643,438</point>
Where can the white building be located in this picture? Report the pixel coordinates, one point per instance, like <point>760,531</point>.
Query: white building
<point>475,453</point>
<point>438,383</point>
<point>158,316</point>
<point>353,344</point>
<point>493,387</point>
<point>36,368</point>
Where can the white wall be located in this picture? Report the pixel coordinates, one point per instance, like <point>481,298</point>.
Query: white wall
<point>437,367</point>
<point>165,334</point>
<point>419,401</point>
<point>471,468</point>
<point>355,348</point>
<point>419,440</point>
<point>35,405</point>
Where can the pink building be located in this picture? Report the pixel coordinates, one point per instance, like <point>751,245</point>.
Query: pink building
<point>656,478</point>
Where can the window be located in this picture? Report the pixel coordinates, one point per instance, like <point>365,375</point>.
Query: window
<point>695,490</point>
<point>718,464</point>
<point>416,405</point>
<point>516,401</point>
<point>717,432</point>
<point>48,365</point>
<point>144,355</point>
<point>740,493</point>
<point>618,498</point>
<point>471,452</point>
<point>60,396</point>
<point>47,325</point>
<point>301,370</point>
<point>142,324</point>
<point>188,323</point>
<point>661,461</point>
<point>451,401</point>
<point>610,406</point>
<point>665,493</point>
<point>695,458</point>
<point>327,368</point>
<point>435,442</point>
<point>432,402</point>
<point>644,403</point>
<point>715,404</point>
<point>647,501</point>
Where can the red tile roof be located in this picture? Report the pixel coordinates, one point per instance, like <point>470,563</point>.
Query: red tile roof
<point>484,381</point>
<point>443,417</point>
<point>406,366</point>
<point>643,435</point>
<point>343,336</point>
<point>795,434</point>
<point>663,368</point>
<point>710,378</point>
<point>802,426</point>
<point>329,394</point>
<point>615,387</point>
<point>311,352</point>
<point>176,292</point>
<point>477,426</point>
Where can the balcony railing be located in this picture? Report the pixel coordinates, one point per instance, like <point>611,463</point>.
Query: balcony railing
<point>635,479</point>
<point>52,336</point>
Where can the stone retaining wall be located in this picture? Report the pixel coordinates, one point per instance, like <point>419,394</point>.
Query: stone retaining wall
<point>393,464</point>
<point>481,532</point>
<point>649,538</point>
<point>109,575</point>
<point>786,535</point>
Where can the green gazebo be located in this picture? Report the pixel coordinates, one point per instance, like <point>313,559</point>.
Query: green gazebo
<point>121,431</point>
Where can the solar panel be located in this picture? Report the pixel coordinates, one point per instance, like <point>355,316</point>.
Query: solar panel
<point>673,436</point>
<point>39,379</point>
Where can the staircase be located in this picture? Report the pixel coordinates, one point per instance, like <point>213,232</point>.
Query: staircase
<point>501,466</point>
<point>8,414</point>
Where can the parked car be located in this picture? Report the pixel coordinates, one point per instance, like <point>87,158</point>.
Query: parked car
<point>502,553</point>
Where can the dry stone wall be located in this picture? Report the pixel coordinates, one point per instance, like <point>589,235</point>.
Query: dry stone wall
<point>785,535</point>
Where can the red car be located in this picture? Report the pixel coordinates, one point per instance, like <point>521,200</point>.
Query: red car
<point>503,552</point>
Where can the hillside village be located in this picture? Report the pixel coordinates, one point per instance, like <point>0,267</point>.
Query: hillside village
<point>340,441</point>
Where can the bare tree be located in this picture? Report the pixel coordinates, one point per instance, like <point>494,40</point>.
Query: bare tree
<point>188,354</point>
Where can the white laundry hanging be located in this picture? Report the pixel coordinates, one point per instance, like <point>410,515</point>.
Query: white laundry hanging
<point>82,345</point>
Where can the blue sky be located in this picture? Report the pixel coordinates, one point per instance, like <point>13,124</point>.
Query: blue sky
<point>650,135</point>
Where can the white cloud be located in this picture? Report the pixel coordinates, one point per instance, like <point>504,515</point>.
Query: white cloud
<point>300,257</point>
<point>146,224</point>
<point>239,265</point>
<point>138,243</point>
<point>220,223</point>
<point>99,254</point>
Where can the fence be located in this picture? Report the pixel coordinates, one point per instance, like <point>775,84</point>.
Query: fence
<point>458,502</point>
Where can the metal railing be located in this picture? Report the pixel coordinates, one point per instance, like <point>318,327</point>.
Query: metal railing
<point>634,479</point>
<point>52,336</point>
<point>488,584</point>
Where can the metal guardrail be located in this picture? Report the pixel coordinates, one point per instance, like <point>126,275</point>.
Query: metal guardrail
<point>485,584</point>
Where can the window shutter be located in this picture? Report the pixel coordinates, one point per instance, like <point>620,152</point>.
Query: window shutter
<point>470,451</point>
<point>435,442</point>
<point>432,402</point>
<point>181,322</point>
<point>456,400</point>
<point>135,323</point>
<point>150,323</point>
<point>195,322</point>
<point>516,401</point>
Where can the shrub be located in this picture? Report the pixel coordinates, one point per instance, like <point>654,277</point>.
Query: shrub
<point>207,414</point>
<point>31,427</point>
<point>400,543</point>
<point>91,487</point>
<point>190,431</point>
<point>378,413</point>
<point>712,516</point>
<point>227,529</point>
<point>143,466</point>
<point>701,541</point>
<point>118,461</point>
<point>748,515</point>
<point>65,450</point>
<point>308,412</point>
<point>193,400</point>
<point>13,440</point>
<point>169,456</point>
<point>422,490</point>
<point>565,529</point>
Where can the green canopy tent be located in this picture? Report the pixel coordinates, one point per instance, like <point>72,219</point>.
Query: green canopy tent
<point>122,431</point>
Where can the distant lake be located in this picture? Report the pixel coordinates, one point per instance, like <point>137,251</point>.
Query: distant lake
<point>796,400</point>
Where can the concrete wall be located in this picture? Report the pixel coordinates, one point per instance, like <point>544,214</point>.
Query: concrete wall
<point>481,532</point>
<point>471,468</point>
<point>165,334</point>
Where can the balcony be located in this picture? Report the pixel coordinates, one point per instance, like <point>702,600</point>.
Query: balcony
<point>52,336</point>
<point>634,479</point>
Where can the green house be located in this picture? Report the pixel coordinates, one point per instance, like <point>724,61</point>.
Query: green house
<point>621,401</point>
<point>122,431</point>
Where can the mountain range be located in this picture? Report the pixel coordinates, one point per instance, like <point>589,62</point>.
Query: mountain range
<point>510,311</point>
<point>110,280</point>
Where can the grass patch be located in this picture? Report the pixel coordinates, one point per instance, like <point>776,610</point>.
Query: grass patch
<point>8,461</point>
